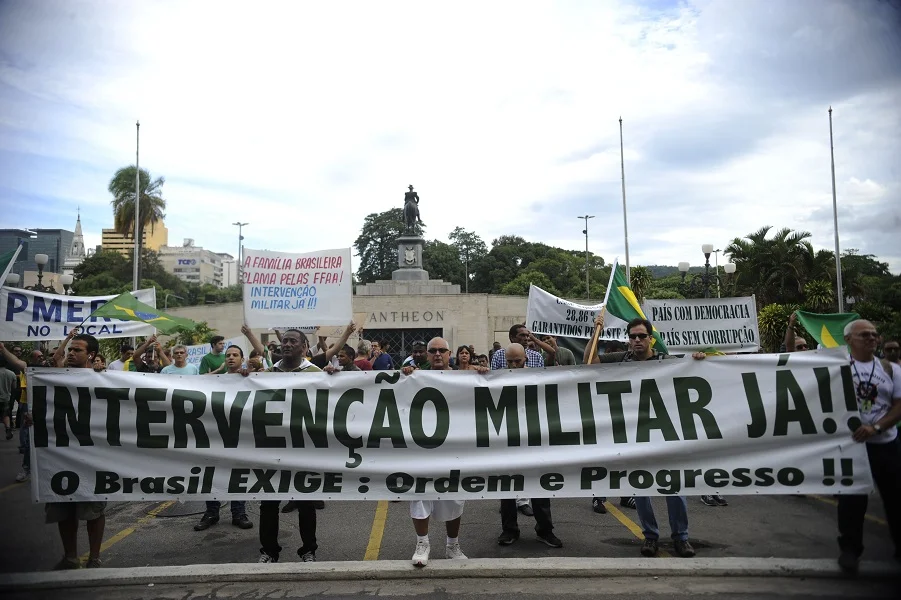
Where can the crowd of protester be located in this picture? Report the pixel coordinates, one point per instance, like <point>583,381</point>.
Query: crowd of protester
<point>877,380</point>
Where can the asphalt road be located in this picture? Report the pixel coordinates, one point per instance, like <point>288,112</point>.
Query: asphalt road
<point>751,526</point>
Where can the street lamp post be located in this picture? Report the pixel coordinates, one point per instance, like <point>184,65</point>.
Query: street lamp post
<point>67,281</point>
<point>240,248</point>
<point>701,283</point>
<point>12,280</point>
<point>41,260</point>
<point>587,273</point>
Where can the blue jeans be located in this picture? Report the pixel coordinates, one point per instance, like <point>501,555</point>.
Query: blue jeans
<point>25,448</point>
<point>237,506</point>
<point>677,508</point>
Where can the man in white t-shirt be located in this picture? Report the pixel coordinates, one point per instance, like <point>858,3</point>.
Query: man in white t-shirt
<point>125,352</point>
<point>180,365</point>
<point>879,400</point>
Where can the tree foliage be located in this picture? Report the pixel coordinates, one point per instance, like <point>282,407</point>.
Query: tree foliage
<point>377,244</point>
<point>152,205</point>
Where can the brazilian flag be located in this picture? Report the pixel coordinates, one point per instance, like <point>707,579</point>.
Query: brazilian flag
<point>622,303</point>
<point>127,308</point>
<point>827,329</point>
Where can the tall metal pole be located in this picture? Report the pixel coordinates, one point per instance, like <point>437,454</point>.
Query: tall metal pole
<point>838,257</point>
<point>136,284</point>
<point>622,164</point>
<point>240,249</point>
<point>587,272</point>
<point>717,251</point>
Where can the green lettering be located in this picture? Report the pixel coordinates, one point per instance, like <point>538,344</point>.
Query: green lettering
<point>181,418</point>
<point>304,419</point>
<point>556,435</point>
<point>386,407</point>
<point>688,409</point>
<point>229,425</point>
<point>442,418</point>
<point>757,426</point>
<point>786,386</point>
<point>505,409</point>
<point>145,417</point>
<point>649,397</point>
<point>113,397</point>
<point>615,390</point>
<point>262,419</point>
<point>586,412</point>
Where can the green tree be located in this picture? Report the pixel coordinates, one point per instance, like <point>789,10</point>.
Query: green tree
<point>377,244</point>
<point>772,320</point>
<point>442,261</point>
<point>818,296</point>
<point>199,335</point>
<point>151,204</point>
<point>471,249</point>
<point>640,282</point>
<point>519,286</point>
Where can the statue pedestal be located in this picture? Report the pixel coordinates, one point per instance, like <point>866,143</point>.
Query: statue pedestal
<point>409,278</point>
<point>409,259</point>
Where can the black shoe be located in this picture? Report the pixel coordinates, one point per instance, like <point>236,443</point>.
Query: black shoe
<point>206,521</point>
<point>242,522</point>
<point>9,433</point>
<point>597,505</point>
<point>683,548</point>
<point>720,501</point>
<point>507,537</point>
<point>708,500</point>
<point>649,548</point>
<point>849,562</point>
<point>318,505</point>
<point>526,509</point>
<point>550,539</point>
<point>627,502</point>
<point>289,506</point>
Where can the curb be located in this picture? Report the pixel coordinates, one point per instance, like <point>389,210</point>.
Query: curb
<point>478,568</point>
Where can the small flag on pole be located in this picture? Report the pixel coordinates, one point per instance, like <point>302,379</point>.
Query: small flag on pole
<point>127,308</point>
<point>7,260</point>
<point>827,329</point>
<point>622,303</point>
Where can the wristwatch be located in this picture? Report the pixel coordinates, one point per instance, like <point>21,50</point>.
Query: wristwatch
<point>877,427</point>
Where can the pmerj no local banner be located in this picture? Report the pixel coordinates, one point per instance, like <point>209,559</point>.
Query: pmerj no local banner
<point>728,324</point>
<point>291,290</point>
<point>548,314</point>
<point>33,316</point>
<point>749,424</point>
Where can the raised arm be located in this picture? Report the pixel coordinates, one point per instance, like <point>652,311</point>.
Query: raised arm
<point>333,350</point>
<point>164,360</point>
<point>12,358</point>
<point>253,339</point>
<point>790,334</point>
<point>59,357</point>
<point>143,347</point>
<point>551,351</point>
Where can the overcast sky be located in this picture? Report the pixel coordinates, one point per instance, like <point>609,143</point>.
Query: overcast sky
<point>301,118</point>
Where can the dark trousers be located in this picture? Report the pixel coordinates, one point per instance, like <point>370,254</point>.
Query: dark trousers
<point>237,507</point>
<point>885,464</point>
<point>540,506</point>
<point>306,522</point>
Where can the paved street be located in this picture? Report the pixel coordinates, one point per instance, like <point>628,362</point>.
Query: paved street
<point>751,526</point>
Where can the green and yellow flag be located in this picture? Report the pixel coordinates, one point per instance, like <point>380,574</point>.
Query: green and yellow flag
<point>127,308</point>
<point>827,329</point>
<point>622,303</point>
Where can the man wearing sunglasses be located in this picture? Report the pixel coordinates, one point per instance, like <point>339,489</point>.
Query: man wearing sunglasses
<point>449,511</point>
<point>792,343</point>
<point>640,349</point>
<point>892,352</point>
<point>879,399</point>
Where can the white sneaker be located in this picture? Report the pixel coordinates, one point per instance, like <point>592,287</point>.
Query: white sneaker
<point>453,551</point>
<point>22,477</point>
<point>421,556</point>
<point>265,558</point>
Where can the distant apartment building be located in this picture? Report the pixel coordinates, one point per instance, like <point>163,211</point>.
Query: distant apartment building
<point>194,264</point>
<point>55,243</point>
<point>154,238</point>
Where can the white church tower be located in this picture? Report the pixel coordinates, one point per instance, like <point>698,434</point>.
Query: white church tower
<point>76,252</point>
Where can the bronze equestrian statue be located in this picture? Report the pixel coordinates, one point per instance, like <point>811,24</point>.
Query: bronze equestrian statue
<point>411,210</point>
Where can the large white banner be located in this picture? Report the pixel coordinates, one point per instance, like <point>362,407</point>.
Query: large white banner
<point>35,316</point>
<point>293,290</point>
<point>548,314</point>
<point>748,424</point>
<point>727,324</point>
<point>197,352</point>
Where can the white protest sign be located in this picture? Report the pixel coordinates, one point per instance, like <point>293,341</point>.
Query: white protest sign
<point>284,290</point>
<point>26,315</point>
<point>656,428</point>
<point>197,352</point>
<point>727,324</point>
<point>548,314</point>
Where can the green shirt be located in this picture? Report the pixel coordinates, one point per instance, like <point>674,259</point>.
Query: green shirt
<point>211,362</point>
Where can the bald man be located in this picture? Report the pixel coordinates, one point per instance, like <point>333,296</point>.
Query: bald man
<point>544,527</point>
<point>449,511</point>
<point>877,385</point>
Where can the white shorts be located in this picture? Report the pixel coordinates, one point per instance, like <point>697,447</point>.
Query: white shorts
<point>441,510</point>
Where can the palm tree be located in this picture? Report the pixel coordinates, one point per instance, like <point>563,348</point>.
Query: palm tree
<point>774,269</point>
<point>640,282</point>
<point>122,187</point>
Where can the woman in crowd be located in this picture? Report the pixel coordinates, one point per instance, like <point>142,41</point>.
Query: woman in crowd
<point>464,360</point>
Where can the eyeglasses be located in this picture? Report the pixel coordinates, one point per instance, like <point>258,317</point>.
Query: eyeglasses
<point>801,347</point>
<point>439,350</point>
<point>638,336</point>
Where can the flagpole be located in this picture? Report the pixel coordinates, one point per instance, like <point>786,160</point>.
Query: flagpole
<point>622,164</point>
<point>838,257</point>
<point>138,234</point>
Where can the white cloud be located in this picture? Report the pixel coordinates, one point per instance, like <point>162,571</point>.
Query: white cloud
<point>302,118</point>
